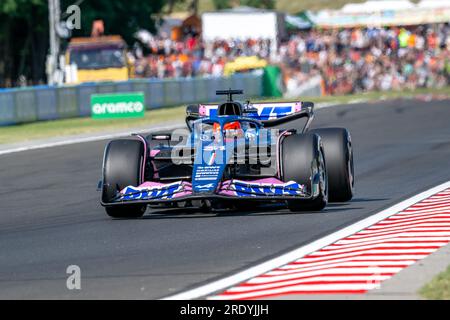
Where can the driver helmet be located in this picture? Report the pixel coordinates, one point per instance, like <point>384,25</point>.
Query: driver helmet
<point>232,129</point>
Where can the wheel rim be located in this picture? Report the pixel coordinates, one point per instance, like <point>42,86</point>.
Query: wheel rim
<point>323,175</point>
<point>350,166</point>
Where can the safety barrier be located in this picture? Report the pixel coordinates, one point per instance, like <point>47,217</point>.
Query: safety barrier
<point>21,105</point>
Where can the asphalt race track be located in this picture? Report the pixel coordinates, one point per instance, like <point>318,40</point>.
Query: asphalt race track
<point>50,215</point>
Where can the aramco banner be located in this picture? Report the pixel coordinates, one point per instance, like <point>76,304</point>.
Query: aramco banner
<point>117,105</point>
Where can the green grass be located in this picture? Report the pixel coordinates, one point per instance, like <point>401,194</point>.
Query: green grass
<point>313,5</point>
<point>372,96</point>
<point>281,5</point>
<point>289,6</point>
<point>438,288</point>
<point>380,95</point>
<point>76,126</point>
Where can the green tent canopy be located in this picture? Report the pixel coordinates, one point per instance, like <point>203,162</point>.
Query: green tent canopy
<point>299,21</point>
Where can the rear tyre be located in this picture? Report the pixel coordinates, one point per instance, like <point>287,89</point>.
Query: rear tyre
<point>303,162</point>
<point>337,145</point>
<point>122,166</point>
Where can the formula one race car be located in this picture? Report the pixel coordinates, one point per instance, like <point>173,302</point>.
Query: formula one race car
<point>234,156</point>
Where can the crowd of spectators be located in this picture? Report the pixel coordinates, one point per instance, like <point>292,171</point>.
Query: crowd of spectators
<point>348,60</point>
<point>354,60</point>
<point>164,58</point>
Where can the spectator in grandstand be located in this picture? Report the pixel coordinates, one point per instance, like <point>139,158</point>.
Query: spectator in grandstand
<point>358,59</point>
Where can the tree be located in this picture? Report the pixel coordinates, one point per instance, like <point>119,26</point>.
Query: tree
<point>23,39</point>
<point>24,30</point>
<point>221,4</point>
<point>263,4</point>
<point>226,4</point>
<point>192,5</point>
<point>123,17</point>
<point>171,5</point>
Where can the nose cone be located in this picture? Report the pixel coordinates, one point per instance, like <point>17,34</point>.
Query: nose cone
<point>209,164</point>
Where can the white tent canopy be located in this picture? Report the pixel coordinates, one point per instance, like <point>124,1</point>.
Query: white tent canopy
<point>376,6</point>
<point>244,23</point>
<point>434,4</point>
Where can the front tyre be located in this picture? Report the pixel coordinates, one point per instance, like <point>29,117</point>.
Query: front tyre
<point>303,161</point>
<point>122,166</point>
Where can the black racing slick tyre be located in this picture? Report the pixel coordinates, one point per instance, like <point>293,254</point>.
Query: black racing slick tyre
<point>303,162</point>
<point>337,145</point>
<point>122,165</point>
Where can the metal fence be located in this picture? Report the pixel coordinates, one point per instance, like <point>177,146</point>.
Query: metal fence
<point>31,104</point>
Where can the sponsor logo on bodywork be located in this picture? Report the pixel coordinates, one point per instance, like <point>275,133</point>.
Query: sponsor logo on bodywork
<point>255,189</point>
<point>206,186</point>
<point>162,192</point>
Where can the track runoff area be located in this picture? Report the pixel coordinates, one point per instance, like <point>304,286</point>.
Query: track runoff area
<point>353,260</point>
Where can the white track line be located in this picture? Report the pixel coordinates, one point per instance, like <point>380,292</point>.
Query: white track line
<point>87,139</point>
<point>286,258</point>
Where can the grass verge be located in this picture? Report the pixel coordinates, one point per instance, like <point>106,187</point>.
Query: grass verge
<point>438,288</point>
<point>281,5</point>
<point>76,126</point>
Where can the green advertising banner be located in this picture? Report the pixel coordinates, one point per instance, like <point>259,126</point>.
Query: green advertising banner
<point>272,82</point>
<point>117,105</point>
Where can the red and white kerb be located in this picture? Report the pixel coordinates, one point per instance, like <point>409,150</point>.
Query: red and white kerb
<point>359,262</point>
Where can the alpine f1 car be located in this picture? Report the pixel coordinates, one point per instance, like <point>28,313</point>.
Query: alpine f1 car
<point>234,155</point>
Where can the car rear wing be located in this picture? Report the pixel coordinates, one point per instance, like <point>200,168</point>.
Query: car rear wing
<point>269,113</point>
<point>258,111</point>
